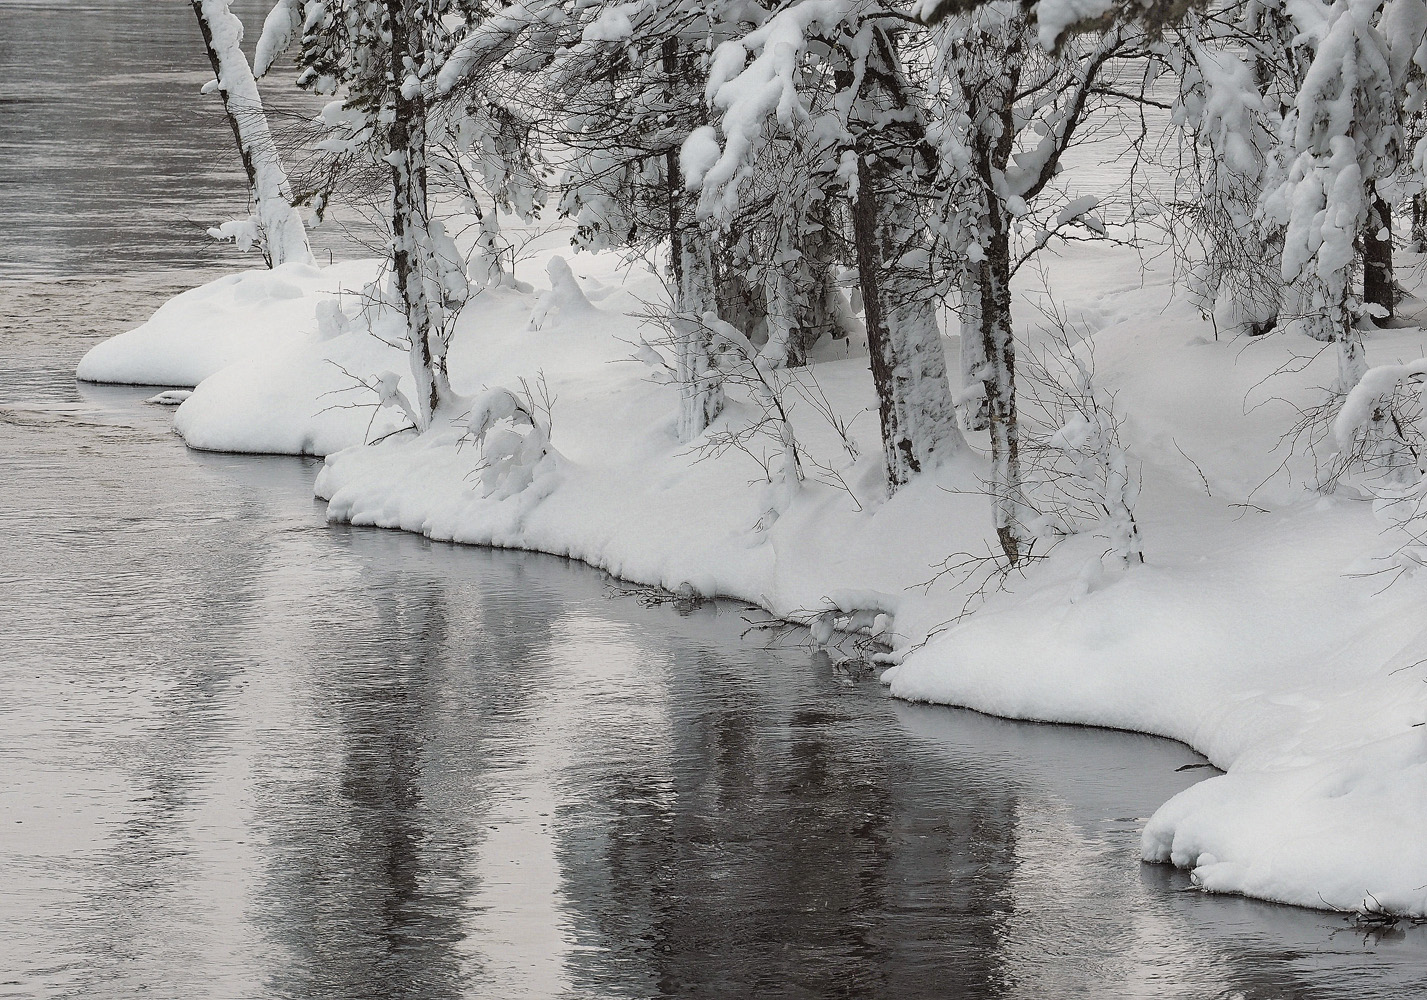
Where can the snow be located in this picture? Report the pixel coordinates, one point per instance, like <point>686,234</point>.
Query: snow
<point>1250,633</point>
<point>283,233</point>
<point>1055,17</point>
<point>698,155</point>
<point>1375,384</point>
<point>208,328</point>
<point>611,25</point>
<point>281,28</point>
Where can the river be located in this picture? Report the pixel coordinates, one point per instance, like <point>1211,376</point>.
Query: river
<point>247,754</point>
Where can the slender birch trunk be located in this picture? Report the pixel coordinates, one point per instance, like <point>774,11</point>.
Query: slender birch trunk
<point>283,236</point>
<point>701,395</point>
<point>412,257</point>
<point>800,295</point>
<point>998,347</point>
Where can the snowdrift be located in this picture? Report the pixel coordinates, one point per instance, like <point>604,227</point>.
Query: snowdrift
<point>206,329</point>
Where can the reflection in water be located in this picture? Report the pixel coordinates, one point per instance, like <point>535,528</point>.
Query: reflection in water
<point>345,931</point>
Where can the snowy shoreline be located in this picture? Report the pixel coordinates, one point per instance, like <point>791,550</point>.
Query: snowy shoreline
<point>1246,635</point>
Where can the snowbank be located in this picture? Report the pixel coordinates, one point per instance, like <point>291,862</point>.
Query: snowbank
<point>1249,634</point>
<point>206,329</point>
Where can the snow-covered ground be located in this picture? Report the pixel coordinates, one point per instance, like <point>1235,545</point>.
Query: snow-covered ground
<point>1256,631</point>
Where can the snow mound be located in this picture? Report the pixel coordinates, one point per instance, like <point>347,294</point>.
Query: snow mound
<point>206,329</point>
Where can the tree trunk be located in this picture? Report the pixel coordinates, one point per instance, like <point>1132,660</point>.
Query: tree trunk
<point>999,349</point>
<point>784,300</point>
<point>975,411</point>
<point>701,395</point>
<point>700,383</point>
<point>283,236</point>
<point>1419,223</point>
<point>908,362</point>
<point>739,304</point>
<point>816,301</point>
<point>412,258</point>
<point>1378,287</point>
<point>1352,363</point>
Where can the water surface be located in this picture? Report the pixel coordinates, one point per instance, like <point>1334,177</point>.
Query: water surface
<point>109,156</point>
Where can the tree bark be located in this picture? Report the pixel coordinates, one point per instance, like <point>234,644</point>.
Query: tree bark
<point>991,152</point>
<point>975,412</point>
<point>412,258</point>
<point>701,396</point>
<point>283,236</point>
<point>999,348</point>
<point>904,344</point>
<point>817,315</point>
<point>907,359</point>
<point>1378,288</point>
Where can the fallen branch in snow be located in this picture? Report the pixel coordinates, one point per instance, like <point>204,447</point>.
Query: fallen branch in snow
<point>825,632</point>
<point>1374,921</point>
<point>684,600</point>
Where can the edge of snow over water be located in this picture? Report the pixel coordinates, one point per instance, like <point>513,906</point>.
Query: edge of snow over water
<point>206,329</point>
<point>1250,633</point>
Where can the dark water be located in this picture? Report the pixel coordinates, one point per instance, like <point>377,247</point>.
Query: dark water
<point>245,754</point>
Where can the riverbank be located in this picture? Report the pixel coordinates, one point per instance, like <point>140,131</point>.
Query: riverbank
<point>1250,633</point>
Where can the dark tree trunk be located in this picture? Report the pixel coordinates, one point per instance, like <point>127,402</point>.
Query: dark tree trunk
<point>975,412</point>
<point>907,358</point>
<point>999,350</point>
<point>739,303</point>
<point>818,318</point>
<point>1378,286</point>
<point>406,140</point>
<point>901,457</point>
